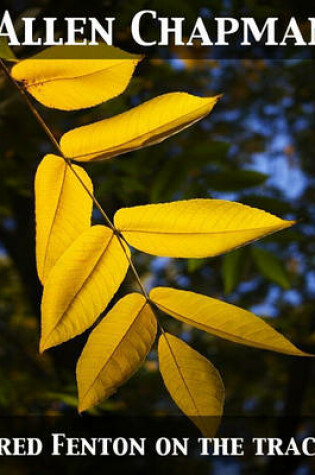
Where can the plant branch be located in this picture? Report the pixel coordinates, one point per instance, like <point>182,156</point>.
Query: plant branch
<point>56,145</point>
<point>134,270</point>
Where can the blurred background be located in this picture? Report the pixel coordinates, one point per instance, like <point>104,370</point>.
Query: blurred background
<point>257,147</point>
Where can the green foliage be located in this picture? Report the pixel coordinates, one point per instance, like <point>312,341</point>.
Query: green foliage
<point>232,267</point>
<point>235,180</point>
<point>271,267</point>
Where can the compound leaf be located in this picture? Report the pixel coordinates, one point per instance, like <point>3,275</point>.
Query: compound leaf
<point>76,77</point>
<point>221,319</point>
<point>194,228</point>
<point>144,125</point>
<point>193,382</point>
<point>81,285</point>
<point>63,210</point>
<point>115,349</point>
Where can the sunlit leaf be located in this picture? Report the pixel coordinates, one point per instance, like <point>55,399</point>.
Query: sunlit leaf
<point>193,382</point>
<point>194,228</point>
<point>76,77</point>
<point>115,349</point>
<point>81,285</point>
<point>63,210</point>
<point>147,124</point>
<point>271,267</point>
<point>221,319</point>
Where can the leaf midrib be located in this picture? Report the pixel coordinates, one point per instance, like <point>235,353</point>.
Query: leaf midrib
<point>115,350</point>
<point>81,287</point>
<point>183,233</point>
<point>70,78</point>
<point>181,374</point>
<point>54,219</point>
<point>216,331</point>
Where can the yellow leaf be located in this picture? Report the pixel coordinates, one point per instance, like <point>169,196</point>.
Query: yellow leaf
<point>81,285</point>
<point>76,77</point>
<point>193,382</point>
<point>221,319</point>
<point>63,210</point>
<point>147,124</point>
<point>194,228</point>
<point>115,349</point>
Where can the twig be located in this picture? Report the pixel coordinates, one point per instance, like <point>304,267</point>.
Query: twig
<point>56,145</point>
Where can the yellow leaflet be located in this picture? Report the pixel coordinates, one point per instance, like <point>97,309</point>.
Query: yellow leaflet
<point>221,319</point>
<point>194,228</point>
<point>75,77</point>
<point>115,349</point>
<point>193,382</point>
<point>147,124</point>
<point>63,210</point>
<point>81,285</point>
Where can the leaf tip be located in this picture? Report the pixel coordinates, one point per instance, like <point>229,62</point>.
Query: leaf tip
<point>283,224</point>
<point>303,353</point>
<point>42,347</point>
<point>290,223</point>
<point>83,405</point>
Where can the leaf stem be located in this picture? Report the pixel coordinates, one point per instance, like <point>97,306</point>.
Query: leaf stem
<point>53,140</point>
